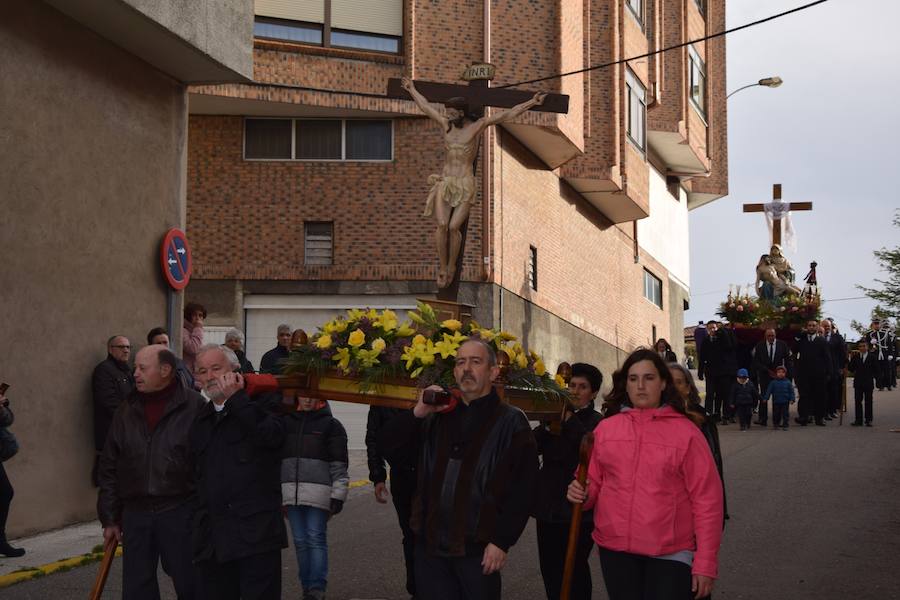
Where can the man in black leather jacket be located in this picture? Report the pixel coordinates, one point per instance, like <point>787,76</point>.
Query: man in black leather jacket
<point>111,383</point>
<point>146,479</point>
<point>236,449</point>
<point>476,476</point>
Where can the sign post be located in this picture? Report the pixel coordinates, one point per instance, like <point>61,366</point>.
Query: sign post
<point>177,265</point>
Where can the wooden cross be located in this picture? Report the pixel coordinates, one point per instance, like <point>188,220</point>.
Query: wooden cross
<point>776,221</point>
<point>478,94</point>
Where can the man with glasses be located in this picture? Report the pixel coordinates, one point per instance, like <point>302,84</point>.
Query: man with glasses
<point>111,383</point>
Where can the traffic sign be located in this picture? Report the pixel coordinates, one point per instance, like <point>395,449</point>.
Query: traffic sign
<point>175,254</point>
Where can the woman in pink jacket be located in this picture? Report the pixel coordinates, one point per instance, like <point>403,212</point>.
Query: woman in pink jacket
<point>654,488</point>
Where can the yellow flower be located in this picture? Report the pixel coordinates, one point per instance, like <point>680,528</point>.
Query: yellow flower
<point>509,352</point>
<point>506,337</point>
<point>409,355</point>
<point>521,361</point>
<point>324,341</point>
<point>388,320</point>
<point>415,317</point>
<point>446,348</point>
<point>355,314</point>
<point>416,373</point>
<point>485,334</point>
<point>426,310</point>
<point>342,358</point>
<point>419,340</point>
<point>378,346</point>
<point>340,325</point>
<point>405,330</point>
<point>457,338</point>
<point>539,368</point>
<point>367,358</point>
<point>371,314</point>
<point>451,324</point>
<point>357,339</point>
<point>559,380</point>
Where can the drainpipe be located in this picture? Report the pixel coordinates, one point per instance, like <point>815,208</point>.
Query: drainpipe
<point>486,172</point>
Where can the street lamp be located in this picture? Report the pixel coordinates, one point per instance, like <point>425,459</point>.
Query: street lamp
<point>770,82</point>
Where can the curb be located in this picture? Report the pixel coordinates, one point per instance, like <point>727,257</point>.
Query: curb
<point>29,573</point>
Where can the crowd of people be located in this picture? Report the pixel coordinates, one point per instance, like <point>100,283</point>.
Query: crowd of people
<point>816,361</point>
<point>199,472</point>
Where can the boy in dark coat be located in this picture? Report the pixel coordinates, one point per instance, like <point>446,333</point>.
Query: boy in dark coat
<point>781,390</point>
<point>864,367</point>
<point>743,399</point>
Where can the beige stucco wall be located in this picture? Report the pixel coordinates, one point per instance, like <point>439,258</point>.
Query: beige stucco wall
<point>91,176</point>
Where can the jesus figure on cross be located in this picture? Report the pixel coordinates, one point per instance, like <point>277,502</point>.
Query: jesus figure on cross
<point>453,191</point>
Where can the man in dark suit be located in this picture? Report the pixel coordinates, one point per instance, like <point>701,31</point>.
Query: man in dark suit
<point>880,338</point>
<point>768,355</point>
<point>837,350</point>
<point>718,363</point>
<point>813,372</point>
<point>864,367</point>
<point>237,528</point>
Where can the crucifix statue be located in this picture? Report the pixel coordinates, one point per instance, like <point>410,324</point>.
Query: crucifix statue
<point>778,212</point>
<point>453,191</point>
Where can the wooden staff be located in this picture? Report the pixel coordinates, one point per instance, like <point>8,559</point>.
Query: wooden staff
<point>584,458</point>
<point>109,552</point>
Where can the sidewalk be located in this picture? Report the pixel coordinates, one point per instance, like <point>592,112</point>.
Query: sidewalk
<point>81,544</point>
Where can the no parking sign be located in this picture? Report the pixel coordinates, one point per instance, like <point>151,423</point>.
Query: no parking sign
<point>176,259</point>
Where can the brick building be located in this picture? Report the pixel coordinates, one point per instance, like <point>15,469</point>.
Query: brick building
<point>306,188</point>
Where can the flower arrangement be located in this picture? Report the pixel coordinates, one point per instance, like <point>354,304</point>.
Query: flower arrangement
<point>782,312</point>
<point>373,345</point>
<point>739,308</point>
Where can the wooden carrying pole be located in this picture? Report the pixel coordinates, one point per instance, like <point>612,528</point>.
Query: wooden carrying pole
<point>109,552</point>
<point>584,458</point>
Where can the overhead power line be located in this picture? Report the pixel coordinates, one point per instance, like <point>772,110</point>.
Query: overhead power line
<point>667,49</point>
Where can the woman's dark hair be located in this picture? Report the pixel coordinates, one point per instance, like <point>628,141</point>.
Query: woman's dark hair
<point>590,372</point>
<point>618,396</point>
<point>192,307</point>
<point>155,332</point>
<point>694,408</point>
<point>663,340</point>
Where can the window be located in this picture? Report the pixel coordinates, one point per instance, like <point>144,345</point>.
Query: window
<point>318,139</point>
<point>698,81</point>
<point>636,116</point>
<point>652,288</point>
<point>372,25</point>
<point>701,6</point>
<point>637,9</point>
<point>532,268</point>
<point>653,333</point>
<point>318,247</point>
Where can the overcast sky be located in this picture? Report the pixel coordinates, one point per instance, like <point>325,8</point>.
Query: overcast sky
<point>829,135</point>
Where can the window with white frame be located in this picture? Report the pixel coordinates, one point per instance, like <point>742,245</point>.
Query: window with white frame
<point>697,81</point>
<point>652,288</point>
<point>372,25</point>
<point>637,9</point>
<point>318,139</point>
<point>636,115</point>
<point>318,243</point>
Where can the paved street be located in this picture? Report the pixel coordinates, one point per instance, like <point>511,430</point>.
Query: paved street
<point>815,514</point>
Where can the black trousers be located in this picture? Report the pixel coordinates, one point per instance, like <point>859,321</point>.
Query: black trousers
<point>744,414</point>
<point>633,577</point>
<point>833,387</point>
<point>552,539</point>
<point>439,578</point>
<point>717,390</point>
<point>764,404</point>
<point>812,398</point>
<point>153,537</point>
<point>6,496</point>
<point>861,398</point>
<point>256,577</point>
<point>883,375</point>
<point>403,488</point>
<point>781,414</point>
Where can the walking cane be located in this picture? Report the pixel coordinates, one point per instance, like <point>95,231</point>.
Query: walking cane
<point>109,552</point>
<point>843,397</point>
<point>584,457</point>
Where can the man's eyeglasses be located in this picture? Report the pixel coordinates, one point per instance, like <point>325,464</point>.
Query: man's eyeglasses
<point>122,347</point>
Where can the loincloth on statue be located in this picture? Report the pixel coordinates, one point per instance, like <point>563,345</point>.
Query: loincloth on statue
<point>450,189</point>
